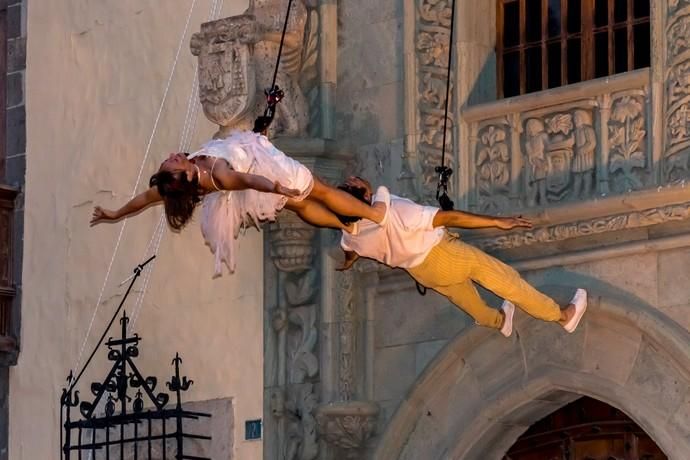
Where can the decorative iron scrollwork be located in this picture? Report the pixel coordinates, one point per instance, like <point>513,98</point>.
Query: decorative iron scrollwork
<point>116,425</point>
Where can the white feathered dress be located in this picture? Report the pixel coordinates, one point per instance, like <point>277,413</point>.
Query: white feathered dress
<point>227,213</point>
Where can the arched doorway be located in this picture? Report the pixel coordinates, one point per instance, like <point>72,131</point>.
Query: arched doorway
<point>482,392</point>
<point>585,429</point>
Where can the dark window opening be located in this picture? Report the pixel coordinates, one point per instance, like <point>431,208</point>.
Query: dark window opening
<point>586,429</point>
<point>544,44</point>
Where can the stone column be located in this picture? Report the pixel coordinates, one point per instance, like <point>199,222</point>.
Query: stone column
<point>675,158</point>
<point>346,419</point>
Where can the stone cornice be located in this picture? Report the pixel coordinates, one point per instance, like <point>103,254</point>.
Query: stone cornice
<point>634,210</point>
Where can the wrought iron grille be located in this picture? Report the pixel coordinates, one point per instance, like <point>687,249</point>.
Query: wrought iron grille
<point>119,425</point>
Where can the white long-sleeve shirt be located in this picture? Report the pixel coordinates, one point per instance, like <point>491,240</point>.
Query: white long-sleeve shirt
<point>403,239</point>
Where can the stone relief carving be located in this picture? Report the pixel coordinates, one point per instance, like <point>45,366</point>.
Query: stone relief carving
<point>493,167</point>
<point>301,443</point>
<point>293,252</point>
<point>291,244</point>
<point>569,230</point>
<point>677,101</point>
<point>347,336</point>
<point>227,82</point>
<point>549,144</point>
<point>347,426</point>
<point>432,42</point>
<point>237,57</point>
<point>297,72</point>
<point>627,133</point>
<point>584,155</point>
<point>558,151</point>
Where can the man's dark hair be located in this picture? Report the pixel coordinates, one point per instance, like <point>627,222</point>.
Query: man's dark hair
<point>357,192</point>
<point>180,197</point>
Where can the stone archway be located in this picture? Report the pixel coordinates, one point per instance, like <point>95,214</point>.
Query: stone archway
<point>482,391</point>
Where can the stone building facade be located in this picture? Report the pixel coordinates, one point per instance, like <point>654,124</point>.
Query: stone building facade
<point>357,364</point>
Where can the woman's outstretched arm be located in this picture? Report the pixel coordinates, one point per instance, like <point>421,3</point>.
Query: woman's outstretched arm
<point>229,179</point>
<point>133,206</point>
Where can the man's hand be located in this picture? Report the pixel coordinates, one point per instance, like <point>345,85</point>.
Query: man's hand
<point>350,258</point>
<point>507,223</point>
<point>101,215</point>
<point>282,190</point>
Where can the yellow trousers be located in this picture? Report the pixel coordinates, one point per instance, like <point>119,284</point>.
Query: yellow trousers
<point>452,267</point>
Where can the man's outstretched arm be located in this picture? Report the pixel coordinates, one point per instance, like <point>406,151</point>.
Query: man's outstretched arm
<point>461,219</point>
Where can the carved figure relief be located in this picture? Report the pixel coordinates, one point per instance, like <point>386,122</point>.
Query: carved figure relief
<point>535,147</point>
<point>432,42</point>
<point>560,153</point>
<point>583,161</point>
<point>493,167</point>
<point>627,147</point>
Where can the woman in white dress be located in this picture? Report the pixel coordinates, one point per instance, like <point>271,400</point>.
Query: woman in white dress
<point>243,181</point>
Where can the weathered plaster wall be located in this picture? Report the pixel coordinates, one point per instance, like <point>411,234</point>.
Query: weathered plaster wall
<point>96,75</point>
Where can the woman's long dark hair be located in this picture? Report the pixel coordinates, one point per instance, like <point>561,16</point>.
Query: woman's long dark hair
<point>180,197</point>
<point>357,192</point>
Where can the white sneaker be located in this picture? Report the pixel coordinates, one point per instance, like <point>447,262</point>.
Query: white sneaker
<point>580,302</point>
<point>508,310</point>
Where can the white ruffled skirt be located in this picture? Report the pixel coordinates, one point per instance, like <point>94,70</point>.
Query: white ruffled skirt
<point>226,214</point>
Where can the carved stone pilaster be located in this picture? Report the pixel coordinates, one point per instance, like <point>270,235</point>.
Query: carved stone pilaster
<point>677,88</point>
<point>294,347</point>
<point>431,44</point>
<point>347,335</point>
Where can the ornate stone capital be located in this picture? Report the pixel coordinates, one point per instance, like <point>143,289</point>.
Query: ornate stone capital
<point>291,244</point>
<point>347,425</point>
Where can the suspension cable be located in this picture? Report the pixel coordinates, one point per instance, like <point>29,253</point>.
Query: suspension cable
<point>443,171</point>
<point>273,94</point>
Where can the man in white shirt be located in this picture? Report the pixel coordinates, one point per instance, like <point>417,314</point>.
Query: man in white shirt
<point>414,238</point>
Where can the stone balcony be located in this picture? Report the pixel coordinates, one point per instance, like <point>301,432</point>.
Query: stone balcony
<point>592,164</point>
<point>575,143</point>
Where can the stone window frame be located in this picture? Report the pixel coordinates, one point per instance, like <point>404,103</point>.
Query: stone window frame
<point>585,38</point>
<point>13,158</point>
